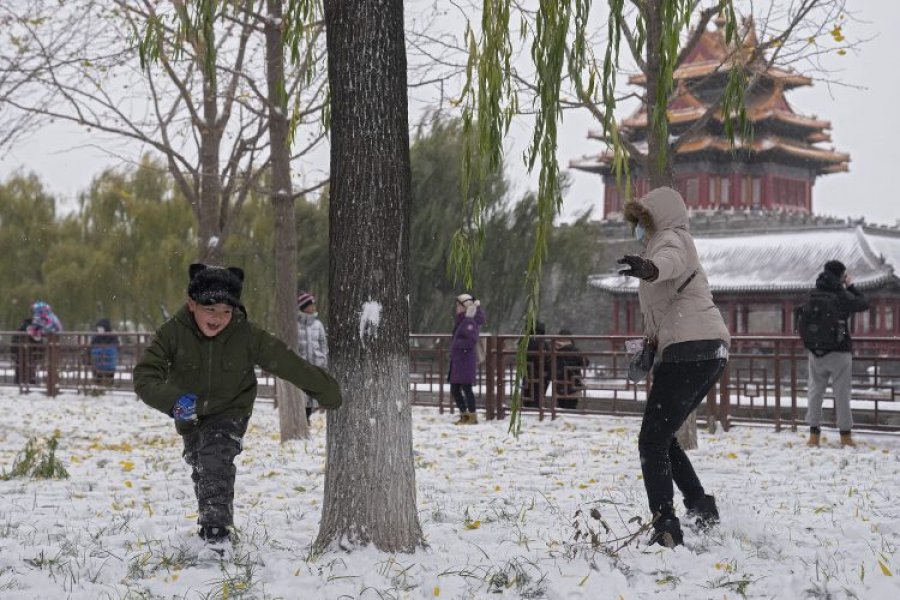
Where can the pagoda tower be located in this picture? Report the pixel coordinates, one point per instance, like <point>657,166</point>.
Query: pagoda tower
<point>774,171</point>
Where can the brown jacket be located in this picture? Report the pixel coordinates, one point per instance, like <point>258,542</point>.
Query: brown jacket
<point>671,316</point>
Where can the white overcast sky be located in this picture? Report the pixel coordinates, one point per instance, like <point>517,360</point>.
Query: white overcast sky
<point>862,113</point>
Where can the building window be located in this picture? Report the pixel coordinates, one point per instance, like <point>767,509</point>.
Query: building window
<point>757,193</point>
<point>725,185</point>
<point>712,191</point>
<point>889,319</point>
<point>765,318</point>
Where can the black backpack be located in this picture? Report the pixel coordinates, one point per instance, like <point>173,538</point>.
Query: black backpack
<point>819,323</point>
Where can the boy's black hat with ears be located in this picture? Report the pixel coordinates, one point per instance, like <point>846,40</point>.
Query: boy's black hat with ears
<point>214,285</point>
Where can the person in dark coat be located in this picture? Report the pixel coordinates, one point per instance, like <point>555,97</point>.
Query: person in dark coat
<point>537,377</point>
<point>836,364</point>
<point>570,364</point>
<point>104,349</point>
<point>469,318</point>
<point>25,355</point>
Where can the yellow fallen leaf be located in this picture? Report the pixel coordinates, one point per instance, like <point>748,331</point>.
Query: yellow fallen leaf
<point>128,483</point>
<point>731,455</point>
<point>885,570</point>
<point>437,590</point>
<point>473,525</point>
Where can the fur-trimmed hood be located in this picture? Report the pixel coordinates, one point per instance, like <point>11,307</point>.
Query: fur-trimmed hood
<point>662,208</point>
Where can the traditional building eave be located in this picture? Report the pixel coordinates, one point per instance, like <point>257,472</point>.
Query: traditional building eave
<point>784,262</point>
<point>704,69</point>
<point>689,115</point>
<point>825,161</point>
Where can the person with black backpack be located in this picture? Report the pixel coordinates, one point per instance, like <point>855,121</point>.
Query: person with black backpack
<point>823,323</point>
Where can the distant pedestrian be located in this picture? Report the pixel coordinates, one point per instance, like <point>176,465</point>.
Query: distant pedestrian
<point>824,324</point>
<point>537,367</point>
<point>570,364</point>
<point>691,342</point>
<point>44,322</point>
<point>469,318</point>
<point>104,349</point>
<point>31,347</point>
<point>25,355</point>
<point>312,342</point>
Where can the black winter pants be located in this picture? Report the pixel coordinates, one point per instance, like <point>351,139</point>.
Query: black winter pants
<point>678,388</point>
<point>210,449</point>
<point>467,404</point>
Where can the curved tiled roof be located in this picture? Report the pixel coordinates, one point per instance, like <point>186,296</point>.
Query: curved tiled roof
<point>784,261</point>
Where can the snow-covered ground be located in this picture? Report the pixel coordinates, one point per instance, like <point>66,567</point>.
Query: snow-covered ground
<point>503,517</point>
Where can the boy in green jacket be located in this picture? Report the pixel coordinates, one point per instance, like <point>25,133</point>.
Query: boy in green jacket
<point>199,369</point>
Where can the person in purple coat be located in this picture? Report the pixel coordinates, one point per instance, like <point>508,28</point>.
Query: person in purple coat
<point>464,356</point>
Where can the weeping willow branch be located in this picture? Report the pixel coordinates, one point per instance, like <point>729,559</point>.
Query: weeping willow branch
<point>489,103</point>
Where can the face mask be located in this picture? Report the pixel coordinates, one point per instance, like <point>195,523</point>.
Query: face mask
<point>639,232</point>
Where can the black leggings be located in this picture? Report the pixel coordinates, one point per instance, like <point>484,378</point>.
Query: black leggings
<point>678,388</point>
<point>467,404</point>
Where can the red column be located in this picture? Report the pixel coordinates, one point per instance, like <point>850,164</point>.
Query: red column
<point>768,199</point>
<point>617,306</point>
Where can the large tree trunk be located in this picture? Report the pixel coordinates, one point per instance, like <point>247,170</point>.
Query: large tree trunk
<point>370,491</point>
<point>291,413</point>
<point>660,171</point>
<point>208,227</point>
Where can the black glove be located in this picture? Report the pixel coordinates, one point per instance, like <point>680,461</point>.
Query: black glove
<point>638,267</point>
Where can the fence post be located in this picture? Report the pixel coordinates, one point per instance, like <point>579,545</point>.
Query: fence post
<point>724,397</point>
<point>711,410</point>
<point>441,372</point>
<point>777,385</point>
<point>500,398</point>
<point>793,387</point>
<point>52,365</point>
<point>490,412</point>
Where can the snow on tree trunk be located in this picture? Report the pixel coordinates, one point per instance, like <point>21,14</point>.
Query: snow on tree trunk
<point>370,491</point>
<point>291,404</point>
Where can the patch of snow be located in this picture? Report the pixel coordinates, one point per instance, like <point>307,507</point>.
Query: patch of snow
<point>369,320</point>
<point>500,514</point>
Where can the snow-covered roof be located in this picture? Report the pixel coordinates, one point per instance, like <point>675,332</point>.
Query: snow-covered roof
<point>784,261</point>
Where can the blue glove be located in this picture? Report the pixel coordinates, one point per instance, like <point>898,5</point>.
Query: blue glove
<point>185,408</point>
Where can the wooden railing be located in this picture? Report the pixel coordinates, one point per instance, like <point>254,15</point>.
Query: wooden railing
<point>765,380</point>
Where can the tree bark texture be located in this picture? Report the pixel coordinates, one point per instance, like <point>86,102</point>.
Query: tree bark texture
<point>291,413</point>
<point>370,492</point>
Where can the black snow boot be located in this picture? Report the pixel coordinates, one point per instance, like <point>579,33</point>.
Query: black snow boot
<point>703,510</point>
<point>214,535</point>
<point>666,531</point>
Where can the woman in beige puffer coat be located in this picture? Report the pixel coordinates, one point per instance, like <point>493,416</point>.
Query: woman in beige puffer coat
<point>691,341</point>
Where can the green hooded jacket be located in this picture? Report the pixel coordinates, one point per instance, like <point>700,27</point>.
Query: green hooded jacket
<point>220,369</point>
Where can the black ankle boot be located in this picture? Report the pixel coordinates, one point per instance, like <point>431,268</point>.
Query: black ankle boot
<point>703,510</point>
<point>667,531</point>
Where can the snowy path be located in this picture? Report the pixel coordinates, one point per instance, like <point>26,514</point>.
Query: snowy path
<point>498,513</point>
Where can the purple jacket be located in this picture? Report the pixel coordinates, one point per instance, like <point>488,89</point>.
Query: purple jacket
<point>463,357</point>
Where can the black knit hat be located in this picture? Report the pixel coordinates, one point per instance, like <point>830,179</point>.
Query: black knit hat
<point>836,268</point>
<point>214,285</point>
